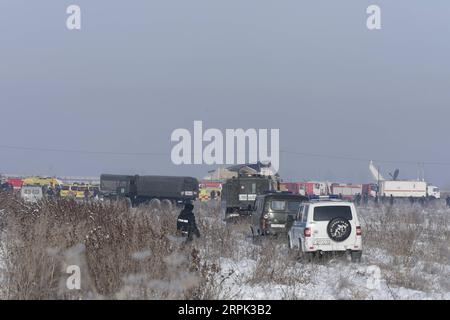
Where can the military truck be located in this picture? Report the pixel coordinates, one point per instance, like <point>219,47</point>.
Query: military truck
<point>239,194</point>
<point>142,189</point>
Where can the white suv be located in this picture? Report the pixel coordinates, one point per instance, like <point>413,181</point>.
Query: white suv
<point>326,226</point>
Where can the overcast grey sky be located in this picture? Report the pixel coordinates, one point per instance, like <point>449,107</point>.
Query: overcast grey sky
<point>140,69</point>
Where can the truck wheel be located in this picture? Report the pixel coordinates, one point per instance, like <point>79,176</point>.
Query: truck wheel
<point>166,204</point>
<point>128,203</point>
<point>155,204</point>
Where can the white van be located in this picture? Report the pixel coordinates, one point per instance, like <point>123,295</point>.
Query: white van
<point>326,226</point>
<point>31,193</point>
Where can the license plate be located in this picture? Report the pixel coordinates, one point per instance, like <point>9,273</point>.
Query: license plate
<point>322,242</point>
<point>277,225</point>
<point>188,193</point>
<point>243,197</point>
<point>233,215</point>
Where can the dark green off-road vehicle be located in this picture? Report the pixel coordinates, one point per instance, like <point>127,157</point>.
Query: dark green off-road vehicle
<point>275,212</point>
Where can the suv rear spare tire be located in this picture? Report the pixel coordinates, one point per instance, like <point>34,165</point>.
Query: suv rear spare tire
<point>339,229</point>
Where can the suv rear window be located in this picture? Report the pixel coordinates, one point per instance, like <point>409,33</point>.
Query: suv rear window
<point>278,205</point>
<point>327,213</point>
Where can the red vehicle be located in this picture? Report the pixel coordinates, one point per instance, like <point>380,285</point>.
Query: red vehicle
<point>292,187</point>
<point>210,184</point>
<point>313,188</point>
<point>17,183</point>
<point>370,189</point>
<point>347,191</point>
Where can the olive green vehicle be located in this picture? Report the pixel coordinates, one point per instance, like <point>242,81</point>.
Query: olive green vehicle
<point>239,194</point>
<point>274,213</point>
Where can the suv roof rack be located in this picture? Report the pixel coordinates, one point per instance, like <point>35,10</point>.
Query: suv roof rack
<point>276,192</point>
<point>324,198</point>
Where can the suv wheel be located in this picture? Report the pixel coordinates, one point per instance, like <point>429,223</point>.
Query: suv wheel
<point>356,256</point>
<point>256,238</point>
<point>310,256</point>
<point>290,246</point>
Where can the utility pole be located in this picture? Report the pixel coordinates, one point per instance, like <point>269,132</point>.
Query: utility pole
<point>378,180</point>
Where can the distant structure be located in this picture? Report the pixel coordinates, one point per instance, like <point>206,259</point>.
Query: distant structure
<point>63,179</point>
<point>80,180</point>
<point>264,169</point>
<point>375,172</point>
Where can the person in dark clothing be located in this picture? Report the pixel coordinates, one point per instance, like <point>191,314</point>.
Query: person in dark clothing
<point>58,191</point>
<point>50,192</point>
<point>86,194</point>
<point>411,200</point>
<point>186,224</point>
<point>7,187</point>
<point>357,199</point>
<point>422,201</point>
<point>447,201</point>
<point>365,199</point>
<point>391,200</point>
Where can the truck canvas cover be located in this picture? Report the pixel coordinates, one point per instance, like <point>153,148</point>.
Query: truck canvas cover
<point>115,182</point>
<point>166,186</point>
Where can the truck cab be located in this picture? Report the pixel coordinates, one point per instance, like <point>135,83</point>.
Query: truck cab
<point>433,192</point>
<point>239,194</point>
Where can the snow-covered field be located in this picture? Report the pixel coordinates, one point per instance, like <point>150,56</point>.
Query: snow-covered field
<point>406,256</point>
<point>135,254</point>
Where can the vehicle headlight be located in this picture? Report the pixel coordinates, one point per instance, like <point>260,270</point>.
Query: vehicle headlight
<point>266,216</point>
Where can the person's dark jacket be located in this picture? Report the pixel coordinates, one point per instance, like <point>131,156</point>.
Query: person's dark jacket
<point>186,222</point>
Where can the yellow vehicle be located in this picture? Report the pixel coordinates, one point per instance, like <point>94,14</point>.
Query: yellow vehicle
<point>208,189</point>
<point>65,191</point>
<point>76,191</point>
<point>40,181</point>
<point>203,194</point>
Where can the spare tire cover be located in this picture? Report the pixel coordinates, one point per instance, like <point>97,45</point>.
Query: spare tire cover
<point>339,229</point>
